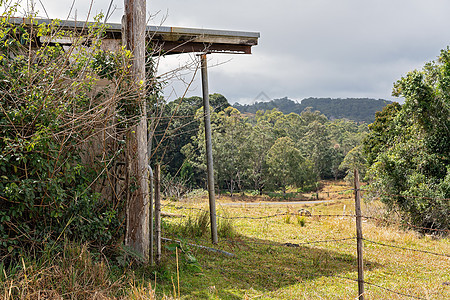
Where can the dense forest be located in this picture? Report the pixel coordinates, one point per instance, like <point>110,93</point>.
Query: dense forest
<point>265,152</point>
<point>356,109</point>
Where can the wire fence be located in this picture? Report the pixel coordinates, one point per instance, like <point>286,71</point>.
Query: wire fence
<point>307,214</point>
<point>316,216</point>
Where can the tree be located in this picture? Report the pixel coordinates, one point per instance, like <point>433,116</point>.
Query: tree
<point>408,148</point>
<point>317,146</point>
<point>260,140</point>
<point>230,149</point>
<point>286,165</point>
<point>176,127</point>
<point>355,159</point>
<point>382,132</point>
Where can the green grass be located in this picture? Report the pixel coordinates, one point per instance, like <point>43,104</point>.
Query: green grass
<point>262,266</point>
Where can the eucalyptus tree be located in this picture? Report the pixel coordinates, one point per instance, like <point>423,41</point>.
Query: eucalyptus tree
<point>230,149</point>
<point>260,140</point>
<point>286,165</point>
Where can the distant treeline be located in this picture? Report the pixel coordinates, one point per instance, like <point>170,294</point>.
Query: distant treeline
<point>356,109</point>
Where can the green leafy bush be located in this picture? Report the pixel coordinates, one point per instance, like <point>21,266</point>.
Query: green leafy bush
<point>408,148</point>
<point>50,112</point>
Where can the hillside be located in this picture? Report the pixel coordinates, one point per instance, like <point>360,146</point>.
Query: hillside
<point>357,109</point>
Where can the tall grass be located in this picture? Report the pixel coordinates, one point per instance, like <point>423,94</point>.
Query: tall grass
<point>198,225</point>
<point>71,272</point>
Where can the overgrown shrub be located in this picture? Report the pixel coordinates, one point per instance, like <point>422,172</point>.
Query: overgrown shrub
<point>52,120</point>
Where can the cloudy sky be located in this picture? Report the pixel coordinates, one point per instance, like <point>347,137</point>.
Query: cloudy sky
<point>308,48</point>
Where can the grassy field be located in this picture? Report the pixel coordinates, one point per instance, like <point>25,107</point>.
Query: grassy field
<point>296,257</point>
<point>276,254</point>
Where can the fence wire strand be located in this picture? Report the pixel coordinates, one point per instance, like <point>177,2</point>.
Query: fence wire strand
<point>286,244</point>
<point>378,286</point>
<point>408,249</point>
<point>306,213</point>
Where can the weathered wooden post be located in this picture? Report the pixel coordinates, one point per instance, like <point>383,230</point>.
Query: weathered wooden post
<point>158,212</point>
<point>151,229</point>
<point>209,157</point>
<point>137,231</point>
<point>150,171</point>
<point>359,236</point>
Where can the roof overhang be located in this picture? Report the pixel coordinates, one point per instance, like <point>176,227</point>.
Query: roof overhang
<point>172,40</point>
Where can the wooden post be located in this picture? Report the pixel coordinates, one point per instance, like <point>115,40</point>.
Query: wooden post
<point>209,157</point>
<point>151,229</point>
<point>151,179</point>
<point>158,212</point>
<point>359,236</point>
<point>137,231</point>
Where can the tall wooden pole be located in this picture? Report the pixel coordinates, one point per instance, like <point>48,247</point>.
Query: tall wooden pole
<point>359,236</point>
<point>209,157</point>
<point>137,235</point>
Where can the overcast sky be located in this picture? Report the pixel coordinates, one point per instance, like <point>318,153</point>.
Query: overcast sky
<point>308,48</point>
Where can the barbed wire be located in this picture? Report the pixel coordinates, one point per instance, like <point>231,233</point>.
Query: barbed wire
<point>404,248</point>
<point>285,244</point>
<point>307,214</point>
<point>299,244</point>
<point>301,213</point>
<point>405,224</point>
<point>378,286</point>
<point>406,196</point>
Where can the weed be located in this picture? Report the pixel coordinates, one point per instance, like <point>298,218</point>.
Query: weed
<point>287,219</point>
<point>199,225</point>
<point>188,260</point>
<point>301,220</point>
<point>195,225</point>
<point>226,228</point>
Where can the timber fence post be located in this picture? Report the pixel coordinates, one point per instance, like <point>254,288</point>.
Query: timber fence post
<point>158,212</point>
<point>152,215</point>
<point>359,236</point>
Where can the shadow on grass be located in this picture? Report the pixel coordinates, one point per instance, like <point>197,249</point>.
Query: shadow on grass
<point>262,266</point>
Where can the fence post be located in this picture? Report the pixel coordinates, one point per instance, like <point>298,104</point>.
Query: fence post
<point>152,228</point>
<point>158,212</point>
<point>359,236</point>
